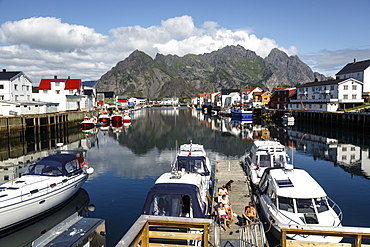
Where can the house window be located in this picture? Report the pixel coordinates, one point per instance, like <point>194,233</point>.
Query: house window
<point>354,87</point>
<point>354,96</point>
<point>320,106</point>
<point>345,87</point>
<point>353,148</point>
<point>345,96</point>
<point>313,96</point>
<point>344,157</point>
<point>57,83</point>
<point>332,87</point>
<point>1,97</point>
<point>45,91</point>
<point>344,149</point>
<point>57,91</point>
<point>1,86</point>
<point>353,157</point>
<point>15,87</point>
<point>70,91</point>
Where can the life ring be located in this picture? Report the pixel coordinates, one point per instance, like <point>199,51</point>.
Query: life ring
<point>84,165</point>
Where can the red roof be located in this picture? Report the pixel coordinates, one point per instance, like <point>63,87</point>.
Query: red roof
<point>45,84</point>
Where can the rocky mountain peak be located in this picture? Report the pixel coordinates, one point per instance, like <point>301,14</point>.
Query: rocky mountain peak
<point>229,67</point>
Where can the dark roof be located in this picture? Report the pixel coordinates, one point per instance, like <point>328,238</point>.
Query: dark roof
<point>89,92</point>
<point>354,67</point>
<point>8,75</point>
<point>89,83</point>
<point>225,91</point>
<point>320,83</point>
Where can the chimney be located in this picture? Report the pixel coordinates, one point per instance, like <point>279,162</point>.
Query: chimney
<point>55,77</point>
<point>354,60</point>
<point>4,70</point>
<point>69,77</point>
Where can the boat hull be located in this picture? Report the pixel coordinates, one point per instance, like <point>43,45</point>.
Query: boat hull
<point>39,203</point>
<point>243,115</point>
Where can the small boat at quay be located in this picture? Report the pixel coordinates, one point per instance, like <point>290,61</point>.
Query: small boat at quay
<point>104,117</point>
<point>288,118</point>
<point>46,184</point>
<point>178,194</point>
<point>126,118</point>
<point>116,116</point>
<point>88,122</point>
<point>186,190</point>
<point>293,197</point>
<point>262,155</point>
<point>241,113</point>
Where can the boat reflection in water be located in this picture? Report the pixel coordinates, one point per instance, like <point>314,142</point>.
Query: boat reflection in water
<point>24,234</point>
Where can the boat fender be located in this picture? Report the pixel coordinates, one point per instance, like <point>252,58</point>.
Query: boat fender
<point>84,165</point>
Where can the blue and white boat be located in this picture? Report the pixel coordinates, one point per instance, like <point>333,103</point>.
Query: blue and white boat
<point>46,184</point>
<point>186,190</point>
<point>243,114</point>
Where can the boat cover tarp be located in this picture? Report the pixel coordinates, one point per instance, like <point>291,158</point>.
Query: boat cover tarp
<point>56,165</point>
<point>199,211</point>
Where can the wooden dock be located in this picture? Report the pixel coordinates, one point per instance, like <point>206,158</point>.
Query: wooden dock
<point>239,196</point>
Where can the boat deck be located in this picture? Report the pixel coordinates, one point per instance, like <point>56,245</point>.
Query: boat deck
<point>239,196</point>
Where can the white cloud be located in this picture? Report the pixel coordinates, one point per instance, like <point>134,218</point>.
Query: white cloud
<point>49,33</point>
<point>45,46</point>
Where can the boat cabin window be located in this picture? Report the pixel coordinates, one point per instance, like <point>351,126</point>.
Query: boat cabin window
<point>195,165</point>
<point>280,161</point>
<point>72,166</point>
<point>171,205</point>
<point>264,161</point>
<point>286,204</point>
<point>271,194</point>
<point>46,170</point>
<point>305,206</point>
<point>321,204</point>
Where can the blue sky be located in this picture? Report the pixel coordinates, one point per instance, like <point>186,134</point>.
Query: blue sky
<point>84,39</point>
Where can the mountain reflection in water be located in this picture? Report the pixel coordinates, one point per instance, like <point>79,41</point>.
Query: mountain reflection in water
<point>128,159</point>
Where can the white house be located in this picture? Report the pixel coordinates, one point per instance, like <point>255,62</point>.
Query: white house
<point>15,86</point>
<point>67,92</point>
<point>14,108</point>
<point>359,71</point>
<point>328,95</point>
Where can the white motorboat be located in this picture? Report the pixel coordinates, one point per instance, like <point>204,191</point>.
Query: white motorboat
<point>288,118</point>
<point>116,116</point>
<point>264,154</point>
<point>44,186</point>
<point>104,117</point>
<point>88,122</point>
<point>187,189</point>
<point>293,197</point>
<point>178,194</point>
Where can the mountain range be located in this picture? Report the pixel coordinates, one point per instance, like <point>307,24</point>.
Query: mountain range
<point>140,75</point>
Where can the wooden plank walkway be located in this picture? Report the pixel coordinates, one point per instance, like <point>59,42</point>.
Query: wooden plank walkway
<point>239,195</point>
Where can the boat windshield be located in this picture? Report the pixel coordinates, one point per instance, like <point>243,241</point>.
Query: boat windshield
<point>286,204</point>
<point>45,170</point>
<point>321,204</point>
<point>171,205</point>
<point>305,206</point>
<point>192,164</point>
<point>265,160</point>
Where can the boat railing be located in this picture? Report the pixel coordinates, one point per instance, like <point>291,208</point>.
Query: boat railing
<point>336,209</point>
<point>161,229</point>
<point>252,235</point>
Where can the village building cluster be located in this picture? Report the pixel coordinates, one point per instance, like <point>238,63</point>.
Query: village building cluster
<point>350,88</point>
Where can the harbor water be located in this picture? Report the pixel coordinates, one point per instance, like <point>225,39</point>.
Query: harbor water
<point>128,159</point>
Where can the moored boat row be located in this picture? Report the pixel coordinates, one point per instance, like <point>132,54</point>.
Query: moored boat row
<point>288,195</point>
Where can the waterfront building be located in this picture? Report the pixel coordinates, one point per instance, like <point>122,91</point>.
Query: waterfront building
<point>66,92</point>
<point>359,70</point>
<point>280,97</point>
<point>331,95</point>
<point>15,86</point>
<point>16,95</point>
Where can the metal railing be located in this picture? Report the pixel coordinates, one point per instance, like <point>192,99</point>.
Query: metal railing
<point>252,235</point>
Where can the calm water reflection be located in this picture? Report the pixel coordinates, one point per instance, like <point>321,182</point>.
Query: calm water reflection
<point>128,160</point>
